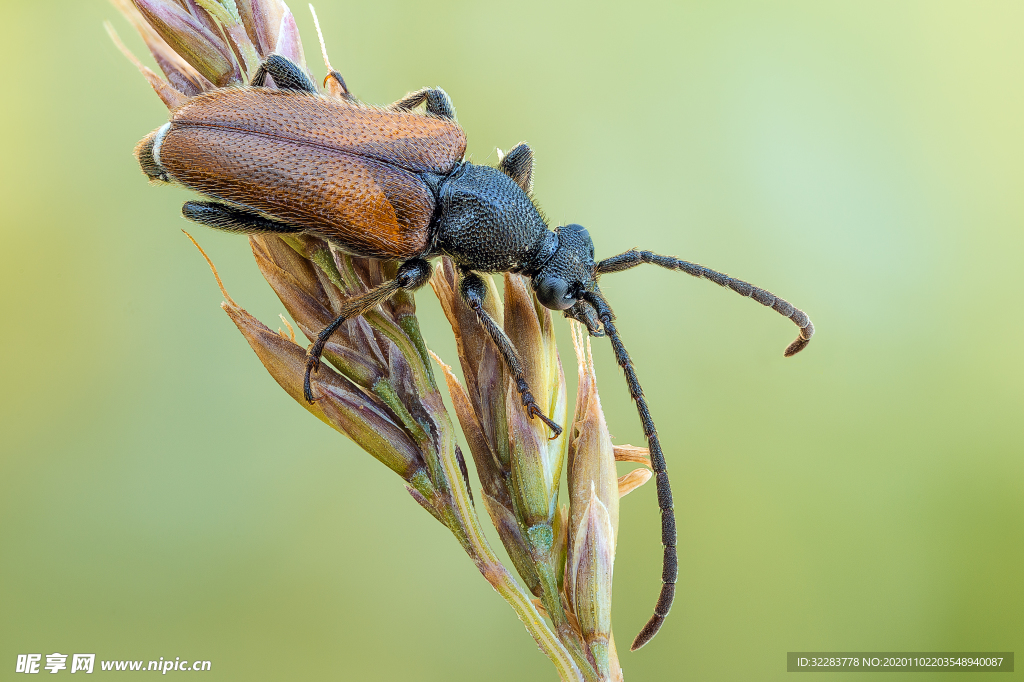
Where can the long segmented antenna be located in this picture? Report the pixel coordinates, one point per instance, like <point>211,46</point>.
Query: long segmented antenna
<point>635,257</point>
<point>631,259</point>
<point>670,565</point>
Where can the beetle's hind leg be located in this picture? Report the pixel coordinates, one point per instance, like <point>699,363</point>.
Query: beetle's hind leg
<point>438,102</point>
<point>286,74</point>
<point>411,275</point>
<point>231,219</point>
<point>473,291</point>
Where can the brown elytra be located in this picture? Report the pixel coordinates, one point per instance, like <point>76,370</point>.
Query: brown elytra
<point>346,171</point>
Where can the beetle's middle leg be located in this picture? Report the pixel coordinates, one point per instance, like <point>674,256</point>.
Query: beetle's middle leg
<point>287,75</point>
<point>438,102</point>
<point>473,291</point>
<point>233,219</point>
<point>411,275</point>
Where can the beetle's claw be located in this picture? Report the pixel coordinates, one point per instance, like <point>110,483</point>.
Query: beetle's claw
<point>534,411</point>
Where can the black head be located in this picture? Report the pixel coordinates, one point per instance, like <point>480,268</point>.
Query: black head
<point>569,272</point>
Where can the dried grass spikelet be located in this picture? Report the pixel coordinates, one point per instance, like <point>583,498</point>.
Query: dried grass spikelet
<point>593,517</point>
<point>205,44</point>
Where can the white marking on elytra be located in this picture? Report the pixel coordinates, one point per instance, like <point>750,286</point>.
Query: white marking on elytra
<point>157,141</point>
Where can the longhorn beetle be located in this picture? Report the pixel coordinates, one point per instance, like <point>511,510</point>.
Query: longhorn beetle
<point>389,183</point>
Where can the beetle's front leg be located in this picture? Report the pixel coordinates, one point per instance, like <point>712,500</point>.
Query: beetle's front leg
<point>474,290</point>
<point>411,275</point>
<point>438,102</point>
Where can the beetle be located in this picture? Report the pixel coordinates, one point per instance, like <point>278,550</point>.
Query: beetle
<point>391,183</point>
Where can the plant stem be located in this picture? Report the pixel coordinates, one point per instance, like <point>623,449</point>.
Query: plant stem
<point>471,536</point>
<point>553,603</point>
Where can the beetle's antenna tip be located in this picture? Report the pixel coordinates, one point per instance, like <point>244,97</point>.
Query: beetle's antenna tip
<point>806,332</point>
<point>641,640</point>
<point>795,347</point>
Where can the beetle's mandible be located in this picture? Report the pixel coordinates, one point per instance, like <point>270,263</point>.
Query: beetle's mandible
<point>391,183</point>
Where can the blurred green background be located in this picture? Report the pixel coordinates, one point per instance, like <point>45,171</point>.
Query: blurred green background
<point>161,496</point>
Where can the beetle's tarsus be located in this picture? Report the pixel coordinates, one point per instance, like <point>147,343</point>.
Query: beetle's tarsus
<point>314,355</point>
<point>287,75</point>
<point>517,163</point>
<point>312,365</point>
<point>438,103</point>
<point>534,411</point>
<point>307,389</point>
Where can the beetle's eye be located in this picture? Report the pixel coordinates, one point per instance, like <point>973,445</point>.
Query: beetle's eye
<point>553,292</point>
